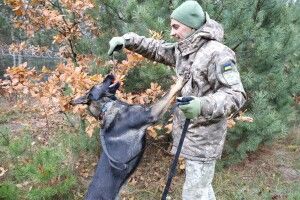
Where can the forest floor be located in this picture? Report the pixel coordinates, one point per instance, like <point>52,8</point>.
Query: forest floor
<point>272,172</point>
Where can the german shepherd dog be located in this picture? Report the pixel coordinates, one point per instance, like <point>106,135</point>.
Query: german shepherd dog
<point>122,134</point>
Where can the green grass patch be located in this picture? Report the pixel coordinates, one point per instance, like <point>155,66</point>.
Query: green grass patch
<point>9,191</point>
<point>79,142</point>
<point>20,145</point>
<point>4,135</point>
<point>41,172</point>
<point>8,116</point>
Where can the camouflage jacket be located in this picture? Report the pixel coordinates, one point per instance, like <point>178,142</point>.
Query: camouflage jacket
<point>214,78</point>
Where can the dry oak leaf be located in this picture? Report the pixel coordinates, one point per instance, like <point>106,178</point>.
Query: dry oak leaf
<point>152,132</point>
<point>245,119</point>
<point>230,123</point>
<point>2,171</point>
<point>90,129</point>
<point>169,128</point>
<point>156,35</point>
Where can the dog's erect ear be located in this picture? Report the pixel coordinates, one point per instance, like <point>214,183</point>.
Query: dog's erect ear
<point>99,90</point>
<point>114,87</point>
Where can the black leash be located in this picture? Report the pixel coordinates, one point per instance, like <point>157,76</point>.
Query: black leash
<point>174,164</point>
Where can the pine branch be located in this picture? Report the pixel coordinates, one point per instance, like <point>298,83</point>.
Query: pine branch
<point>170,7</point>
<point>257,9</point>
<point>221,11</point>
<point>236,46</point>
<point>120,17</point>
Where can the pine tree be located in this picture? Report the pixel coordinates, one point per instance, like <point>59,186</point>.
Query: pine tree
<point>265,36</point>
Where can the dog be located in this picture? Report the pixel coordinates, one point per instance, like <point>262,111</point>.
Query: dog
<point>122,134</point>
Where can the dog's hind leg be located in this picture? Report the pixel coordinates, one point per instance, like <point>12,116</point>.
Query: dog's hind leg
<point>106,181</point>
<point>161,106</point>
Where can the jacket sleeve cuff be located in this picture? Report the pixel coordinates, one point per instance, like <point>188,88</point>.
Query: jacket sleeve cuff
<point>206,108</point>
<point>128,37</point>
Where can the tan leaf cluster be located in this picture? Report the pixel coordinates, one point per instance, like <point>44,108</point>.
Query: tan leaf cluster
<point>50,18</point>
<point>147,97</point>
<point>156,35</point>
<point>17,6</point>
<point>154,91</point>
<point>2,171</point>
<point>231,122</point>
<point>65,17</point>
<point>77,7</point>
<point>93,123</point>
<point>245,119</point>
<point>152,130</point>
<point>169,128</point>
<point>55,89</point>
<point>50,92</point>
<point>19,79</point>
<point>181,163</point>
<point>132,60</point>
<point>16,48</point>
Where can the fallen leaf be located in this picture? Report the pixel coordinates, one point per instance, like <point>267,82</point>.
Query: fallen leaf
<point>2,171</point>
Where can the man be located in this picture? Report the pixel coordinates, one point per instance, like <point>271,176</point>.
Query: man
<point>215,89</point>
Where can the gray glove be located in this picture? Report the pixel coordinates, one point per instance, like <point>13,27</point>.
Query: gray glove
<point>116,44</point>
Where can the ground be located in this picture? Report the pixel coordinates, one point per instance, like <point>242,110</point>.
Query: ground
<point>273,172</point>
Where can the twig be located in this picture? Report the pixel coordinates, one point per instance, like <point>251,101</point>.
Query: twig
<point>47,121</point>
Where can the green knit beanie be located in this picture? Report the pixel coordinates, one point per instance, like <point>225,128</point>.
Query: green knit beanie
<point>189,13</point>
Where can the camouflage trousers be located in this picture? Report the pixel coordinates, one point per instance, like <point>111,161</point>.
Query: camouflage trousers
<point>198,180</point>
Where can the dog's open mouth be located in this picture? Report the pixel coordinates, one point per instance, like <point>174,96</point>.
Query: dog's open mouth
<point>114,85</point>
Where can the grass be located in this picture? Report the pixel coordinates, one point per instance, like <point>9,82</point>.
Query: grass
<point>35,171</point>
<point>6,117</point>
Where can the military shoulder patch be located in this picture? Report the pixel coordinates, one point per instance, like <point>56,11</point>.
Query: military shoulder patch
<point>227,67</point>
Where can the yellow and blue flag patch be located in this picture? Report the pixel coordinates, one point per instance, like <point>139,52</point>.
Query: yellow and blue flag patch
<point>227,67</point>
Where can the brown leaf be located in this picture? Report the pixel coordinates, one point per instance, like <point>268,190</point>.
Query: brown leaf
<point>230,123</point>
<point>2,171</point>
<point>245,119</point>
<point>169,128</point>
<point>152,132</point>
